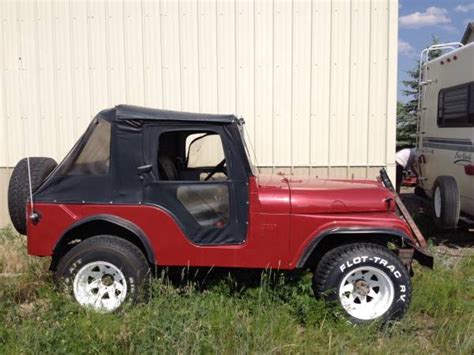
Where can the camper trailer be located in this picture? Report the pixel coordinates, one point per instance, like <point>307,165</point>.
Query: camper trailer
<point>445,132</point>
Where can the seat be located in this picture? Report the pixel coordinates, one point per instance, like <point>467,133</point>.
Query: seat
<point>166,168</point>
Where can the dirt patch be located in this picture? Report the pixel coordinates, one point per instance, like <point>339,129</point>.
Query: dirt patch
<point>454,243</point>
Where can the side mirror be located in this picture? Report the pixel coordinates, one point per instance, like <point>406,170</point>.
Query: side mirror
<point>144,169</point>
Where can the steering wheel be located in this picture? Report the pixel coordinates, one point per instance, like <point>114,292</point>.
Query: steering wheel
<point>216,169</point>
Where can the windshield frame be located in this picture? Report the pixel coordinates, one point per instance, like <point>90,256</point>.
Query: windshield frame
<point>253,167</point>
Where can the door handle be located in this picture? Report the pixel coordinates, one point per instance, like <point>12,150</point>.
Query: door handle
<point>144,169</point>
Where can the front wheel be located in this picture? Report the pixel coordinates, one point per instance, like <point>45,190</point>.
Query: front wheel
<point>368,281</point>
<point>103,273</point>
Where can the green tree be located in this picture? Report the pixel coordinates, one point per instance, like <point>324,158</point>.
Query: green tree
<point>407,112</point>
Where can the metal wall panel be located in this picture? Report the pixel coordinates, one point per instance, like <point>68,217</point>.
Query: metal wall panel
<point>315,80</point>
<point>320,82</point>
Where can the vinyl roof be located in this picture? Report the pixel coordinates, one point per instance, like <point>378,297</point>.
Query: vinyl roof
<point>129,112</point>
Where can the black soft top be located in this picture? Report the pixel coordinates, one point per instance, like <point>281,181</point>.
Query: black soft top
<point>130,112</point>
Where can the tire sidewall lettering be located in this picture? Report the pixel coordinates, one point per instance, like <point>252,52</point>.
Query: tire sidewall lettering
<point>393,272</point>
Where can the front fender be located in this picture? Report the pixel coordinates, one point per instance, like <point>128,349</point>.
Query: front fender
<point>404,241</point>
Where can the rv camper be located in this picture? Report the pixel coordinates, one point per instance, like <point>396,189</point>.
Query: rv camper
<point>445,132</point>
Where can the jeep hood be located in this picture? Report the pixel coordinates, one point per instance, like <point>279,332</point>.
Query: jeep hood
<point>317,196</point>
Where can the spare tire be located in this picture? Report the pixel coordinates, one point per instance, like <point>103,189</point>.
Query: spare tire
<point>19,190</point>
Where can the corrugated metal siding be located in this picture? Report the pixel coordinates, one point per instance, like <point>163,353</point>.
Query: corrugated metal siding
<point>315,80</point>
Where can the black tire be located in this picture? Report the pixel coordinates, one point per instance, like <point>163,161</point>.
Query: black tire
<point>18,188</point>
<point>446,214</point>
<point>121,254</point>
<point>351,260</point>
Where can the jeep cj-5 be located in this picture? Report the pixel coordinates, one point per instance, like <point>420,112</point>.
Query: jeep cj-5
<point>145,187</point>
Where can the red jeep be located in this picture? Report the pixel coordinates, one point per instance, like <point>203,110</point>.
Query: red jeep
<point>146,187</point>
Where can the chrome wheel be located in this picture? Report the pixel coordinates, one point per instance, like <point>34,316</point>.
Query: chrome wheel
<point>101,286</point>
<point>437,202</point>
<point>366,293</point>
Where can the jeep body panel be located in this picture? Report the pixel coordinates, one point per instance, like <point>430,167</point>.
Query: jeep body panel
<point>321,196</point>
<point>266,245</point>
<point>276,238</point>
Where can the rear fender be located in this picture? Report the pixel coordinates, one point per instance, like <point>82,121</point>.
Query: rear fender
<point>104,224</point>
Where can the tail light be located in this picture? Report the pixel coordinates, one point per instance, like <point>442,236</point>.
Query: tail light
<point>469,169</point>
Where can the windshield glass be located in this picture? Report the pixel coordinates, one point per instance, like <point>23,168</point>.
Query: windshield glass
<point>250,152</point>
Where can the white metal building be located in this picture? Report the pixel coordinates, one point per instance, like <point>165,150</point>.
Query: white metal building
<point>314,80</point>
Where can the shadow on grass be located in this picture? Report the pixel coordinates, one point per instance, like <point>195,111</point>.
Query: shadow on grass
<point>421,211</point>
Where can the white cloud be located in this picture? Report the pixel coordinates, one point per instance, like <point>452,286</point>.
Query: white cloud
<point>465,7</point>
<point>432,16</point>
<point>405,48</point>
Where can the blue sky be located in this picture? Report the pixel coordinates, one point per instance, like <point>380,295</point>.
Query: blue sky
<point>419,20</point>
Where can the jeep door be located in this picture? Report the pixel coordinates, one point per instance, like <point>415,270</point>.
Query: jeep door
<point>197,176</point>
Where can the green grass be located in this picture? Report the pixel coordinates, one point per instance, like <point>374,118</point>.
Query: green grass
<point>222,312</point>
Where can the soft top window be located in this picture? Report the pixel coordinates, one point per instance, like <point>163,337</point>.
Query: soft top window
<point>93,158</point>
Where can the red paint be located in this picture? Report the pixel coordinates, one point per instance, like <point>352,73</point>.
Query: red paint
<point>469,169</point>
<point>317,196</point>
<point>284,217</point>
<point>410,180</point>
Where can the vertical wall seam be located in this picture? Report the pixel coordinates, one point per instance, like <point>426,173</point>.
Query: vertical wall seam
<point>72,69</point>
<point>254,76</point>
<point>349,102</point>
<point>198,56</point>
<point>55,79</point>
<point>310,88</point>
<point>144,68</point>
<point>161,55</point>
<point>4,96</point>
<point>38,82</point>
<point>217,55</point>
<point>330,86</point>
<point>387,87</point>
<point>20,79</point>
<point>291,85</point>
<point>369,74</point>
<point>107,54</point>
<point>125,57</point>
<point>273,86</point>
<point>236,49</point>
<point>180,57</point>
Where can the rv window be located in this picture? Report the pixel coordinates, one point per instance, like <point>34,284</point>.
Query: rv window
<point>456,106</point>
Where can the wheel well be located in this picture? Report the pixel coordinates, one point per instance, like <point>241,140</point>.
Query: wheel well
<point>93,228</point>
<point>333,240</point>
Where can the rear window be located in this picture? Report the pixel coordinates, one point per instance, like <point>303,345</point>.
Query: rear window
<point>456,106</point>
<point>94,157</point>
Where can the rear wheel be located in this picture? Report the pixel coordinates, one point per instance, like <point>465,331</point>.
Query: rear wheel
<point>18,188</point>
<point>368,281</point>
<point>446,202</point>
<point>103,273</point>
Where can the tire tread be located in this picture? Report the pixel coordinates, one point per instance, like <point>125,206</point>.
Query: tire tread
<point>18,188</point>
